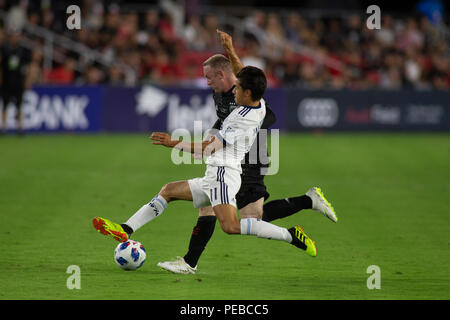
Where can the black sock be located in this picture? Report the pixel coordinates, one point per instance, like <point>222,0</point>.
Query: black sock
<point>201,234</point>
<point>127,229</point>
<point>278,209</point>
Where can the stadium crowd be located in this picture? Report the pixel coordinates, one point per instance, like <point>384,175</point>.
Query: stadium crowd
<point>293,48</point>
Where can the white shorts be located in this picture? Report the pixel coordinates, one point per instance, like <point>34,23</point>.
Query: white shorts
<point>219,186</point>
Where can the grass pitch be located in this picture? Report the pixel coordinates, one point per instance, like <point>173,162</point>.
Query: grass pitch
<point>390,192</point>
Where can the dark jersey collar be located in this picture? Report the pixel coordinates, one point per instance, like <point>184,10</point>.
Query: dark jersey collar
<point>229,92</point>
<point>252,107</point>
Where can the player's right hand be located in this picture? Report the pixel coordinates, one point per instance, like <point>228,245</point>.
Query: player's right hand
<point>162,138</point>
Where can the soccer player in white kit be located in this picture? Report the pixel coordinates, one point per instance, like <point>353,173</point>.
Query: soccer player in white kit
<point>222,180</point>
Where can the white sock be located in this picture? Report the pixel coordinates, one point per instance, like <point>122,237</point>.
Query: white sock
<point>263,229</point>
<point>147,212</point>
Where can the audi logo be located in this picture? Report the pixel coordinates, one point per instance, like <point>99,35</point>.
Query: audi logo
<point>317,112</point>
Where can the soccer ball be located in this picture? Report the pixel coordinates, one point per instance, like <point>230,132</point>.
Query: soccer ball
<point>130,255</point>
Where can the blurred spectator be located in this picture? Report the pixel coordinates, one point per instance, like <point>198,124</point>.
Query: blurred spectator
<point>412,68</point>
<point>211,38</point>
<point>115,76</point>
<point>252,56</point>
<point>274,42</point>
<point>151,22</point>
<point>291,74</point>
<point>17,17</point>
<point>194,34</point>
<point>93,76</point>
<point>163,70</point>
<point>64,74</point>
<point>309,76</point>
<point>293,28</point>
<point>353,28</point>
<point>272,80</point>
<point>386,35</point>
<point>109,27</point>
<point>440,80</point>
<point>166,29</point>
<point>334,37</point>
<point>34,74</point>
<point>175,9</point>
<point>192,78</point>
<point>94,15</point>
<point>410,36</point>
<point>391,79</point>
<point>254,24</point>
<point>47,19</point>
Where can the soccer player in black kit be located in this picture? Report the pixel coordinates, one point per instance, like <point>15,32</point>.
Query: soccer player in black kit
<point>219,72</point>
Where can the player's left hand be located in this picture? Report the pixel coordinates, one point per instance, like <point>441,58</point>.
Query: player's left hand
<point>227,40</point>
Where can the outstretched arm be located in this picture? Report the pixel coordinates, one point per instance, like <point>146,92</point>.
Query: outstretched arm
<point>205,147</point>
<point>227,44</point>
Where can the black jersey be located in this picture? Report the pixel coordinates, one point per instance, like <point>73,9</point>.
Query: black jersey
<point>224,103</point>
<point>252,163</point>
<point>13,63</point>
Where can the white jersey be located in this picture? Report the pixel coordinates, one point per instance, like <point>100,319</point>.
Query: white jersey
<point>239,131</point>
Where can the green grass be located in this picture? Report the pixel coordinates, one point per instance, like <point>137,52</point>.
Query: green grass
<point>390,192</point>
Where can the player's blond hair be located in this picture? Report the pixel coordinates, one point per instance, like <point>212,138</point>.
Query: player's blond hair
<point>218,62</point>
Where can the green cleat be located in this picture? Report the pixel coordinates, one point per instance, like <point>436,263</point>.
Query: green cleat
<point>321,204</point>
<point>302,241</point>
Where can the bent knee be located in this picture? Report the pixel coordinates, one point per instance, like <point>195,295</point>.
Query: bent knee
<point>165,190</point>
<point>253,210</point>
<point>168,191</point>
<point>206,211</point>
<point>231,228</point>
<point>248,215</point>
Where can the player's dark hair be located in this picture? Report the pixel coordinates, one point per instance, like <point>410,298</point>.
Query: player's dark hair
<point>253,79</point>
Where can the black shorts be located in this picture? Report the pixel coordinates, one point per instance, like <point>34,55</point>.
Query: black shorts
<point>251,191</point>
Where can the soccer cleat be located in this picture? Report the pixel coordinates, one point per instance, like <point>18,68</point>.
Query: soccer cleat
<point>109,228</point>
<point>177,266</point>
<point>302,241</point>
<point>321,204</point>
